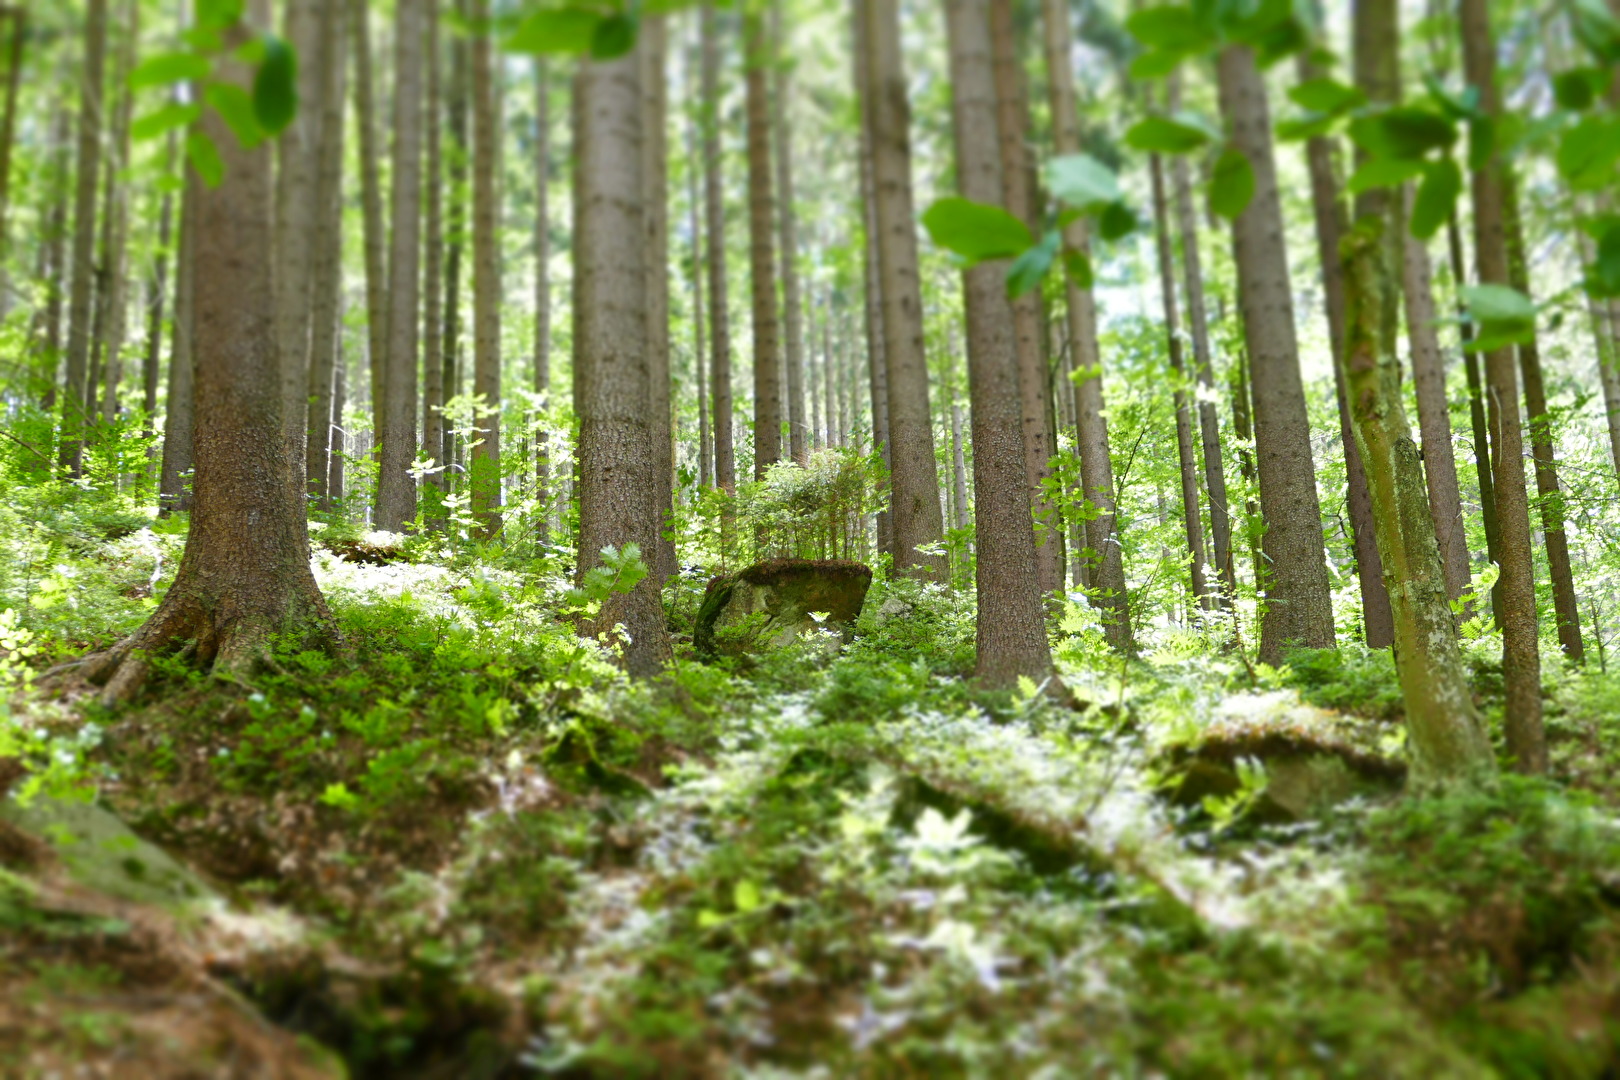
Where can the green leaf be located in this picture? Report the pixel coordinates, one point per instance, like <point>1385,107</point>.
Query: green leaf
<point>275,86</point>
<point>204,157</point>
<point>235,107</point>
<point>1328,96</point>
<point>1117,221</point>
<point>1231,187</point>
<point>1309,126</point>
<point>1384,172</point>
<point>1597,29</point>
<point>1436,197</point>
<point>1576,90</point>
<point>1457,107</point>
<point>1078,267</point>
<point>1603,276</point>
<point>167,68</point>
<point>1406,131</point>
<point>1173,29</point>
<point>1082,182</point>
<point>1028,269</point>
<point>1153,64</point>
<point>745,895</point>
<point>1587,152</point>
<point>218,14</point>
<point>1498,304</point>
<point>1162,135</point>
<point>1481,142</point>
<point>164,120</point>
<point>567,31</point>
<point>614,37</point>
<point>975,231</point>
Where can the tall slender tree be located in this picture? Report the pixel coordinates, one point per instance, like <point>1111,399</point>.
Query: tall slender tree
<point>655,179</point>
<point>433,316</point>
<point>486,455</point>
<point>761,250</point>
<point>82,283</point>
<point>326,299</point>
<point>788,239</point>
<point>179,411</point>
<point>374,236</point>
<point>714,208</point>
<point>542,276</point>
<point>877,367</point>
<point>112,277</point>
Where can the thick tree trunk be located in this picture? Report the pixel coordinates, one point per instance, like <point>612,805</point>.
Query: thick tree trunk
<point>374,238</point>
<point>1434,416</point>
<point>245,576</point>
<point>453,348</point>
<point>1012,117</point>
<point>396,489</point>
<point>88,169</point>
<point>655,180</point>
<point>915,519</point>
<point>1209,424</point>
<point>486,455</point>
<point>1299,603</point>
<point>433,388</point>
<point>618,489</point>
<point>725,455</point>
<point>1011,629</point>
<point>1516,587</point>
<point>179,411</point>
<point>874,311</point>
<point>788,242</point>
<point>1448,740</point>
<point>326,297</point>
<point>761,253</point>
<point>1107,569</point>
<point>1200,595</point>
<point>542,281</point>
<point>1378,626</point>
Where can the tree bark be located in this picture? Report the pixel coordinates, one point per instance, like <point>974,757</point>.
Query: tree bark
<point>453,349</point>
<point>788,242</point>
<point>725,456</point>
<point>1011,629</point>
<point>245,576</point>
<point>158,294</point>
<point>486,455</point>
<point>761,254</point>
<point>8,138</point>
<point>111,316</point>
<point>1516,587</point>
<point>433,316</point>
<point>872,278</point>
<point>326,296</point>
<point>700,355</point>
<point>915,519</point>
<point>1107,563</point>
<point>1331,224</point>
<point>542,281</point>
<point>1299,605</point>
<point>1434,416</point>
<point>1476,414</point>
<point>55,253</point>
<point>618,488</point>
<point>655,179</point>
<point>179,410</point>
<point>1448,740</point>
<point>374,238</point>
<point>82,283</point>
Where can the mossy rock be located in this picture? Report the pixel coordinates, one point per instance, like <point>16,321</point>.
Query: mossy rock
<point>768,605</point>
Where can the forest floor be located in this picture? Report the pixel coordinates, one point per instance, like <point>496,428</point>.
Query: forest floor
<point>471,849</point>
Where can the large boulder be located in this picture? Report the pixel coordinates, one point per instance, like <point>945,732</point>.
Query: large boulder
<point>771,603</point>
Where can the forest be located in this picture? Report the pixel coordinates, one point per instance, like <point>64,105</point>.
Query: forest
<point>809,538</point>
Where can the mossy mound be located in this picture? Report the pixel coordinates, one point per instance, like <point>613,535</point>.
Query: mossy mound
<point>769,604</point>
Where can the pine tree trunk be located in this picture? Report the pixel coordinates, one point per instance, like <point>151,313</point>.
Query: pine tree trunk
<point>1516,587</point>
<point>340,439</point>
<point>1011,629</point>
<point>245,575</point>
<point>872,280</point>
<point>374,237</point>
<point>326,295</point>
<point>107,345</point>
<point>1299,605</point>
<point>915,520</point>
<point>542,279</point>
<point>725,455</point>
<point>787,228</point>
<point>1434,416</point>
<point>1606,346</point>
<point>700,354</point>
<point>433,319</point>
<point>1476,415</point>
<point>618,488</point>
<point>18,17</point>
<point>1106,573</point>
<point>1012,118</point>
<point>396,489</point>
<point>1200,594</point>
<point>453,348</point>
<point>179,410</point>
<point>55,253</point>
<point>1321,154</point>
<point>486,455</point>
<point>1209,424</point>
<point>655,179</point>
<point>761,254</point>
<point>88,170</point>
<point>158,292</point>
<point>1448,740</point>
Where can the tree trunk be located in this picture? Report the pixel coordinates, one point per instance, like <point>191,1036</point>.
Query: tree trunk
<point>158,294</point>
<point>1321,155</point>
<point>618,488</point>
<point>55,252</point>
<point>1299,604</point>
<point>179,411</point>
<point>340,438</point>
<point>1200,594</point>
<point>374,237</point>
<point>1449,743</point>
<point>655,180</point>
<point>486,455</point>
<point>1107,567</point>
<point>88,169</point>
<point>1606,345</point>
<point>326,295</point>
<point>761,256</point>
<point>396,489</point>
<point>1516,587</point>
<point>457,216</point>
<point>1011,629</point>
<point>1012,118</point>
<point>700,354</point>
<point>874,310</point>
<point>8,138</point>
<point>725,456</point>
<point>1434,416</point>
<point>1476,413</point>
<point>433,316</point>
<point>245,576</point>
<point>787,228</point>
<point>110,319</point>
<point>542,280</point>
<point>1209,424</point>
<point>915,519</point>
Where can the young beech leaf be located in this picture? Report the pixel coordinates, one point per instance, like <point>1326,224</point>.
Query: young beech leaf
<point>204,157</point>
<point>1078,267</point>
<point>1172,28</point>
<point>218,14</point>
<point>164,120</point>
<point>275,86</point>
<point>1163,135</point>
<point>1436,197</point>
<point>1503,315</point>
<point>1117,221</point>
<point>1328,96</point>
<point>1576,90</point>
<point>166,68</point>
<point>1406,132</point>
<point>614,36</point>
<point>568,30</point>
<point>1082,182</point>
<point>235,107</point>
<point>1603,276</point>
<point>1029,268</point>
<point>1232,186</point>
<point>1384,172</point>
<point>975,231</point>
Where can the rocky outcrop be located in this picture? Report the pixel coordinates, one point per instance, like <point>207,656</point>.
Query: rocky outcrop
<point>771,603</point>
